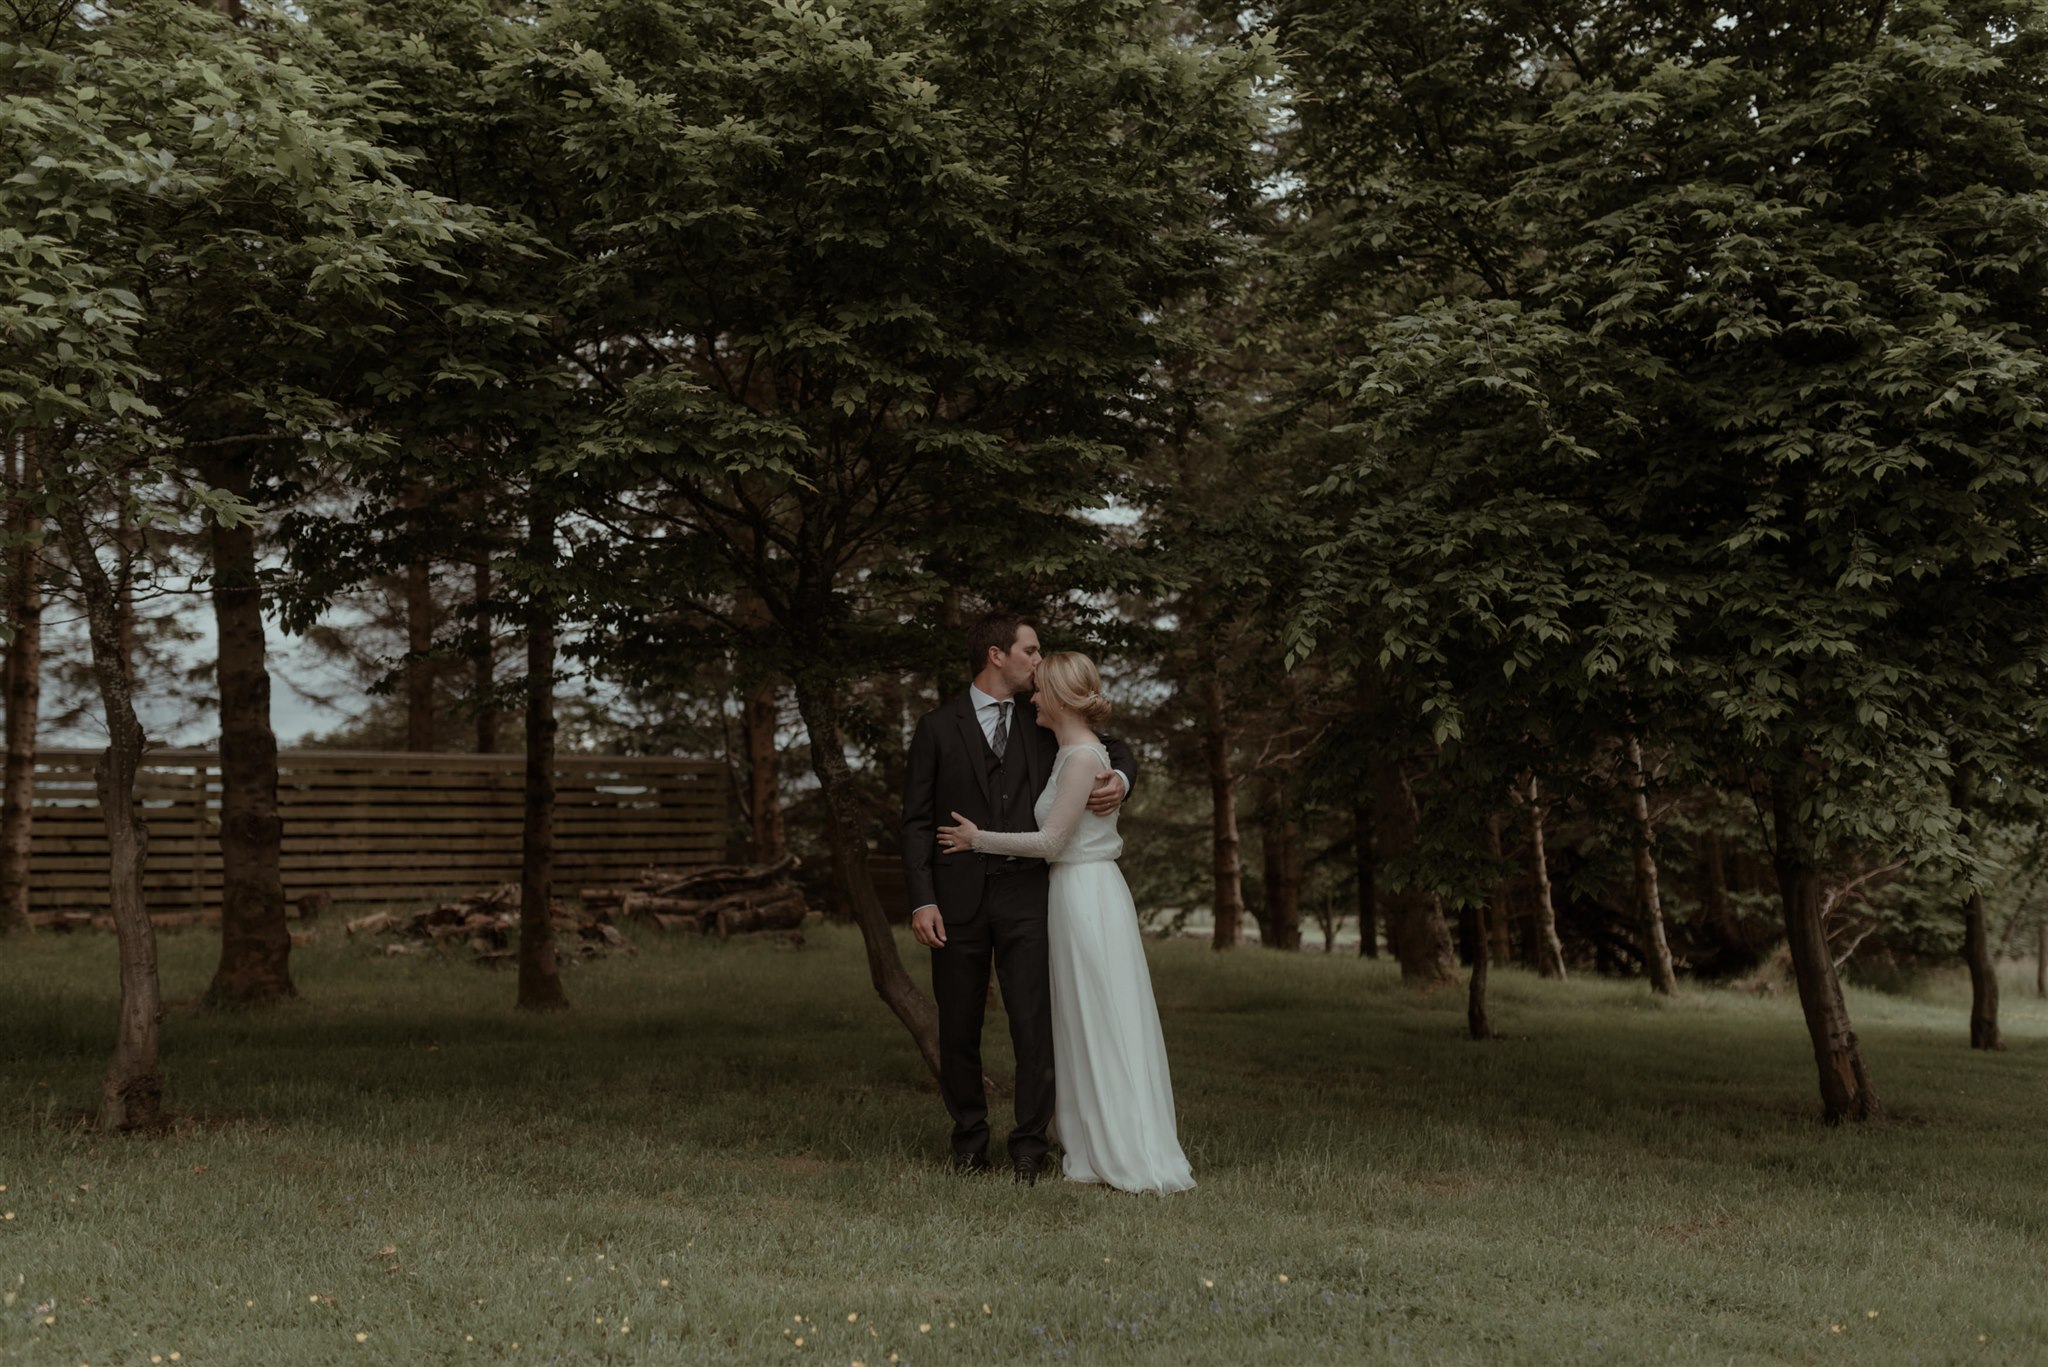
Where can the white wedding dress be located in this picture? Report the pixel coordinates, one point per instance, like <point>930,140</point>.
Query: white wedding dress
<point>1112,1098</point>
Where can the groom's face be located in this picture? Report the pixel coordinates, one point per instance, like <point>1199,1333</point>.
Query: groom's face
<point>1019,664</point>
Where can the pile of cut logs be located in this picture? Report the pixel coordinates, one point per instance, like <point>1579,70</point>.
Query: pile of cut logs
<point>486,922</point>
<point>726,900</point>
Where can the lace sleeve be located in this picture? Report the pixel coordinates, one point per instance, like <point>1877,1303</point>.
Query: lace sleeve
<point>1068,805</point>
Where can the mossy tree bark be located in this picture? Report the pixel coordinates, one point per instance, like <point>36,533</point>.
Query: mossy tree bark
<point>540,975</point>
<point>1226,847</point>
<point>818,706</point>
<point>1416,932</point>
<point>255,942</point>
<point>1845,1088</point>
<point>1649,902</point>
<point>1280,847</point>
<point>22,680</point>
<point>131,1095</point>
<point>1550,949</point>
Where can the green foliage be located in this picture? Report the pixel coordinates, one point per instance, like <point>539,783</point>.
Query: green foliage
<point>1727,415</point>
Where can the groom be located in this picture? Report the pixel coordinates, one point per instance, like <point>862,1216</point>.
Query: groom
<point>984,755</point>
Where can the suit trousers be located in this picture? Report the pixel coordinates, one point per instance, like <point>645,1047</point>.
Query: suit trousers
<point>1010,927</point>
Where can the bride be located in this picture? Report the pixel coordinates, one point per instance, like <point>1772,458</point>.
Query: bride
<point>1113,1101</point>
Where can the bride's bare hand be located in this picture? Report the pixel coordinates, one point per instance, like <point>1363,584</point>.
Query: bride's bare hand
<point>959,837</point>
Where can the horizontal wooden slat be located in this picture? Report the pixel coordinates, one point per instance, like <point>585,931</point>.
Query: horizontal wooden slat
<point>373,826</point>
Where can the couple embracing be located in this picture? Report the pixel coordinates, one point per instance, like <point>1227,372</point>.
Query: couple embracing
<point>1009,854</point>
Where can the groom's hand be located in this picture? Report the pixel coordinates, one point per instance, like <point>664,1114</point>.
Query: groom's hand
<point>1108,794</point>
<point>929,927</point>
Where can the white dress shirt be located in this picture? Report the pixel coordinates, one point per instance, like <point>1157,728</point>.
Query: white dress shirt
<point>988,711</point>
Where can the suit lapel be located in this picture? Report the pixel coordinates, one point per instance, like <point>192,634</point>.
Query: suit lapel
<point>977,751</point>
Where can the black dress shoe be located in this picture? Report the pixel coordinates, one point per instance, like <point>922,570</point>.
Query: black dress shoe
<point>971,1162</point>
<point>1025,1170</point>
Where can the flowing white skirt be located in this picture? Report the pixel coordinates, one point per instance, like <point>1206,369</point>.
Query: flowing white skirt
<point>1113,1101</point>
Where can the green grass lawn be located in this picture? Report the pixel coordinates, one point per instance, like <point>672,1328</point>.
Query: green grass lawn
<point>730,1154</point>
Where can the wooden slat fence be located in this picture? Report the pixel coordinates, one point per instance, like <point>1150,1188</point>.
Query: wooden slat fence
<point>378,826</point>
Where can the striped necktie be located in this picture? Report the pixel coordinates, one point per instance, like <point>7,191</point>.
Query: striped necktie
<point>1001,740</point>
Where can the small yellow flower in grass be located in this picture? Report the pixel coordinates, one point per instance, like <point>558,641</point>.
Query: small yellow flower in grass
<point>248,1305</point>
<point>156,1357</point>
<point>361,1337</point>
<point>49,1320</point>
<point>6,1215</point>
<point>798,1318</point>
<point>892,1357</point>
<point>1982,1338</point>
<point>1208,1284</point>
<point>1283,1279</point>
<point>1870,1314</point>
<point>799,1343</point>
<point>985,1310</point>
<point>176,1356</point>
<point>664,1281</point>
<point>1105,1260</point>
<point>387,1250</point>
<point>852,1315</point>
<point>857,1363</point>
<point>1834,1329</point>
<point>469,1338</point>
<point>314,1299</point>
<point>625,1329</point>
<point>924,1328</point>
<point>952,1324</point>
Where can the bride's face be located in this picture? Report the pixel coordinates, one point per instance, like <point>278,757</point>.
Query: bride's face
<point>1048,710</point>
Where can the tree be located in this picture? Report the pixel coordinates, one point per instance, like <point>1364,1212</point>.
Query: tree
<point>1729,423</point>
<point>21,683</point>
<point>908,368</point>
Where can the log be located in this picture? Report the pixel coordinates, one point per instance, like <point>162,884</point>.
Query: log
<point>726,877</point>
<point>786,913</point>
<point>652,904</point>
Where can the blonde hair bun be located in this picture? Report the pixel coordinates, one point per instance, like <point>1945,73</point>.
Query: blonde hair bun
<point>1073,682</point>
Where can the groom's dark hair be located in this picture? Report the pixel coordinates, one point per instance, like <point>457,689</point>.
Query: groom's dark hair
<point>997,631</point>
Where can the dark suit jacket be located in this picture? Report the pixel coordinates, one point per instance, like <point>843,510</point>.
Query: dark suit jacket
<point>948,773</point>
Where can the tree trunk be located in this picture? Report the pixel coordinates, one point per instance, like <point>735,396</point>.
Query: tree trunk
<point>1364,853</point>
<point>1715,866</point>
<point>1983,976</point>
<point>1472,921</point>
<point>2041,962</point>
<point>761,715</point>
<point>1649,904</point>
<point>1226,849</point>
<point>1550,949</point>
<point>1416,932</point>
<point>540,976</point>
<point>255,943</point>
<point>1280,846</point>
<point>844,824</point>
<point>23,680</point>
<point>128,545</point>
<point>483,664</point>
<point>1976,934</point>
<point>1503,891</point>
<point>1845,1089</point>
<point>419,643</point>
<point>131,1096</point>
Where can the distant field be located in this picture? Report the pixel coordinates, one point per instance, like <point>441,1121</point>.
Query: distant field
<point>723,1151</point>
